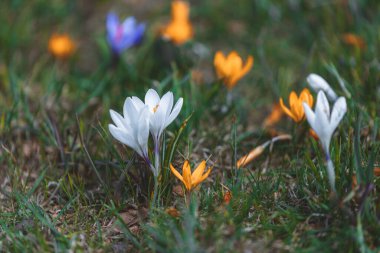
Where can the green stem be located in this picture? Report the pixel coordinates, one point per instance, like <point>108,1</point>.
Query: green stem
<point>188,198</point>
<point>155,191</point>
<point>331,172</point>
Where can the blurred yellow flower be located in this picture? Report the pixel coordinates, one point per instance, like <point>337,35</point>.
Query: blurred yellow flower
<point>191,180</point>
<point>61,45</point>
<point>353,40</point>
<point>296,111</point>
<point>231,68</point>
<point>179,30</point>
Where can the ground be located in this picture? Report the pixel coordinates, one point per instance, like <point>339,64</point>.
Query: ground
<point>67,185</point>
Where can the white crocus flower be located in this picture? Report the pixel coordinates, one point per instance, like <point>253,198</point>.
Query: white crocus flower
<point>132,129</point>
<point>324,124</point>
<point>161,114</point>
<point>318,83</point>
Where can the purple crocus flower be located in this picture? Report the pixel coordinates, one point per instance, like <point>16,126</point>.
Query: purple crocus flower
<point>121,36</point>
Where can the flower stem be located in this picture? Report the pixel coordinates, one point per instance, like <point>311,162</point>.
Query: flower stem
<point>187,198</point>
<point>155,190</point>
<point>156,171</point>
<point>157,155</point>
<point>330,172</point>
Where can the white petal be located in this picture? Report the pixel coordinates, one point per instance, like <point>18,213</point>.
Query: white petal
<point>117,119</point>
<point>137,103</point>
<point>166,104</point>
<point>310,115</point>
<point>158,120</point>
<point>123,137</point>
<point>152,98</point>
<point>338,111</point>
<point>317,83</point>
<point>130,113</point>
<point>143,130</point>
<point>173,115</point>
<point>322,104</point>
<point>322,123</point>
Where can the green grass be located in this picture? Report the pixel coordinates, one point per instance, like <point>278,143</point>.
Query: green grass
<point>66,184</point>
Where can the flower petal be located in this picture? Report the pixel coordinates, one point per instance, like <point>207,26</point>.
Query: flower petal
<point>130,114</point>
<point>294,106</point>
<point>143,130</point>
<point>322,121</point>
<point>124,137</point>
<point>138,34</point>
<point>137,103</point>
<point>112,22</point>
<point>186,172</point>
<point>129,25</point>
<point>219,63</point>
<point>317,83</point>
<point>310,115</point>
<point>305,96</point>
<point>242,71</point>
<point>152,99</point>
<point>176,110</point>
<point>117,119</point>
<point>176,173</point>
<point>286,110</point>
<point>323,104</point>
<point>202,178</point>
<point>166,105</point>
<point>197,174</point>
<point>338,111</point>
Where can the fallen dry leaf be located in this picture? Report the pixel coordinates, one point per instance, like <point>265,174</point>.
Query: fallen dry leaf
<point>172,211</point>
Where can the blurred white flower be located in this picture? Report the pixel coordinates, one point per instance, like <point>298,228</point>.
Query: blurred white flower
<point>132,129</point>
<point>324,124</point>
<point>317,83</point>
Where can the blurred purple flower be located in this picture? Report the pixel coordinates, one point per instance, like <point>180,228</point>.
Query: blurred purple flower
<point>121,36</point>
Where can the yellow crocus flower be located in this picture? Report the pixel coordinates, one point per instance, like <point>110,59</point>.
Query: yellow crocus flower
<point>231,68</point>
<point>353,40</point>
<point>179,30</point>
<point>61,45</point>
<point>296,111</point>
<point>191,180</point>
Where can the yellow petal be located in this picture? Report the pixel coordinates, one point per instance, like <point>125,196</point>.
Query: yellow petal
<point>247,67</point>
<point>198,171</point>
<point>202,178</point>
<point>178,32</point>
<point>186,172</point>
<point>235,63</point>
<point>295,107</point>
<point>292,99</point>
<point>241,71</point>
<point>180,11</point>
<point>305,96</point>
<point>286,110</point>
<point>219,63</point>
<point>176,173</point>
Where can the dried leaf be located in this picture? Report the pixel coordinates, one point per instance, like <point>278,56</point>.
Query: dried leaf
<point>172,211</point>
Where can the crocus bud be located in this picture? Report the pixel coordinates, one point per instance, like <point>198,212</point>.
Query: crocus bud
<point>317,83</point>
